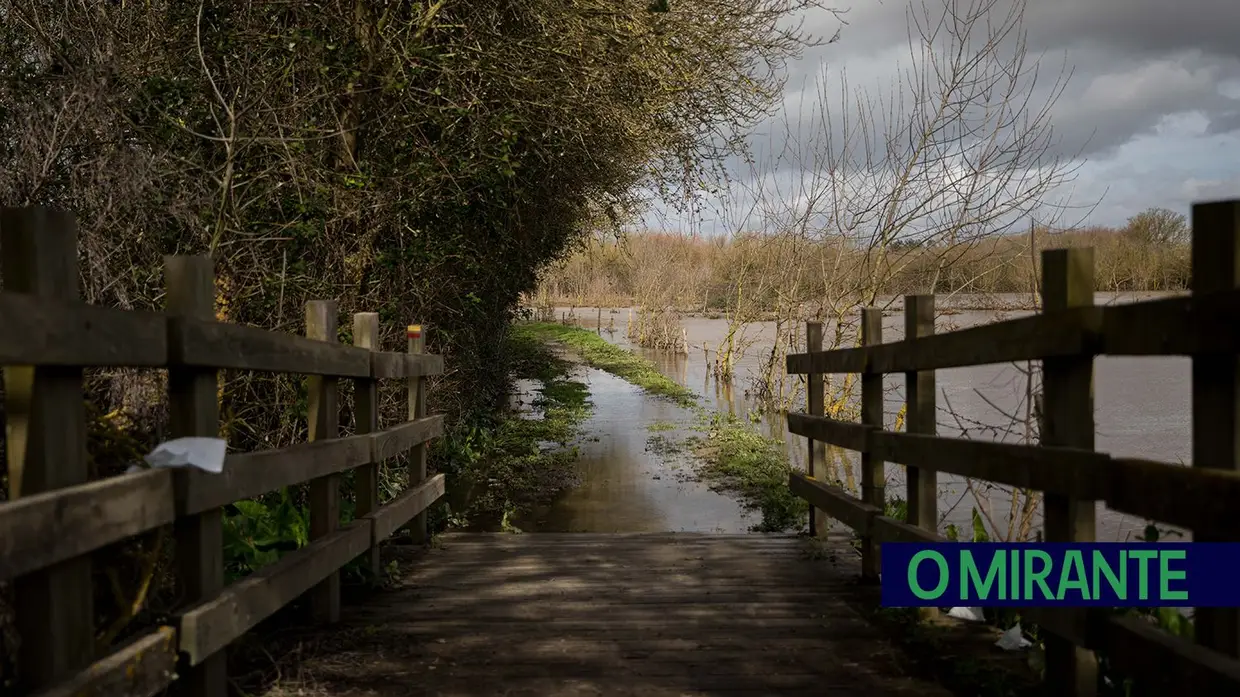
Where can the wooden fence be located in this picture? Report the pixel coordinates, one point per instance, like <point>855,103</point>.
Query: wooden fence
<point>55,517</point>
<point>1065,337</point>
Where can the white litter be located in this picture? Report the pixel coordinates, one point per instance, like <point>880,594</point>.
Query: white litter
<point>970,614</point>
<point>206,454</point>
<point>1013,640</point>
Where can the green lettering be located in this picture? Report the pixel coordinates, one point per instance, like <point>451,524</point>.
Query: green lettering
<point>969,574</point>
<point>943,575</point>
<point>1102,568</point>
<point>1143,573</point>
<point>1073,563</point>
<point>1166,574</point>
<point>1038,577</point>
<point>1015,575</point>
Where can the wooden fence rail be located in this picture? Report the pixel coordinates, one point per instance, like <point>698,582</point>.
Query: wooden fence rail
<point>55,517</point>
<point>1066,336</point>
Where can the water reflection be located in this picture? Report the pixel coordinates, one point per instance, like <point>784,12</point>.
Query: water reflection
<point>1141,409</point>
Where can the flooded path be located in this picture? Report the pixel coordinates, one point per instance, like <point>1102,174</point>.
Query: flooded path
<point>1142,410</point>
<point>627,487</point>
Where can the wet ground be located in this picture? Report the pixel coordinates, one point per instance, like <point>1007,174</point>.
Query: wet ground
<point>632,483</point>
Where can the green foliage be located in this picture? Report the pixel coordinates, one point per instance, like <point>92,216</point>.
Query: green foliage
<point>505,465</point>
<point>978,531</point>
<point>257,532</point>
<point>738,459</point>
<point>597,352</point>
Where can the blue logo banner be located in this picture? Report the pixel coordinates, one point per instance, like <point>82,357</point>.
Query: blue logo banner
<point>1100,574</point>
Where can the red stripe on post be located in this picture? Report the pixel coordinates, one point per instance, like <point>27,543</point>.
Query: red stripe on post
<point>414,331</point>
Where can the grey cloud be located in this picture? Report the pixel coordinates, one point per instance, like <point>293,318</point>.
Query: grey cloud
<point>1224,123</point>
<point>1135,64</point>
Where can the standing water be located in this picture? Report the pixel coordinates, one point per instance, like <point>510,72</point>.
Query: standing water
<point>1142,409</point>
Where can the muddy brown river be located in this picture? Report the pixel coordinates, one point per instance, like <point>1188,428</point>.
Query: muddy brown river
<point>631,483</point>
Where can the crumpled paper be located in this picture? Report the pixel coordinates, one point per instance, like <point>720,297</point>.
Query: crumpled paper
<point>970,614</point>
<point>206,454</point>
<point>1013,640</point>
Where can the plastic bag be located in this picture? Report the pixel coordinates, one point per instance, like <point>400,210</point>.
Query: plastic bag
<point>1013,640</point>
<point>206,454</point>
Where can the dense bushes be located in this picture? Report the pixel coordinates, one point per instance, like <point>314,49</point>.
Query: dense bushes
<point>421,160</point>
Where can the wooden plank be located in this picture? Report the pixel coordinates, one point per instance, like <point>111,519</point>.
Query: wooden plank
<point>1165,664</point>
<point>211,626</point>
<point>834,501</point>
<point>816,450</point>
<point>1063,471</point>
<point>416,336</point>
<point>921,489</point>
<point>143,668</point>
<point>1068,399</point>
<point>637,633</point>
<point>45,427</point>
<point>1069,332</point>
<point>887,529</point>
<point>205,343</point>
<point>873,476</point>
<point>849,360</point>
<point>323,415</point>
<point>1201,499</point>
<point>407,436</point>
<point>1216,391</point>
<point>247,475</point>
<point>400,510</point>
<point>387,364</point>
<point>48,331</point>
<point>366,420</point>
<point>1205,323</point>
<point>46,529</point>
<point>194,411</point>
<point>844,434</point>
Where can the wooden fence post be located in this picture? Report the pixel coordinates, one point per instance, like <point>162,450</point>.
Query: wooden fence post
<point>1216,390</point>
<point>324,421</point>
<point>873,477</point>
<point>817,451</point>
<point>920,416</point>
<point>417,410</point>
<point>46,435</point>
<point>193,410</point>
<point>1068,400</point>
<point>366,410</point>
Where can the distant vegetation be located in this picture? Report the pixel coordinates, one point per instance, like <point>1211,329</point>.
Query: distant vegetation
<point>707,274</point>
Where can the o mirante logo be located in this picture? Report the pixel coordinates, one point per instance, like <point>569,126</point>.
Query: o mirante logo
<point>1061,574</point>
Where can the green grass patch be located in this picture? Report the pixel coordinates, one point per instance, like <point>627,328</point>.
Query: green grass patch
<point>502,465</point>
<point>740,461</point>
<point>661,426</point>
<point>597,352</point>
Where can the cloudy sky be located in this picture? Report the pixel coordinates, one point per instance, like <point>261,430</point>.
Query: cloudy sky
<point>1152,106</point>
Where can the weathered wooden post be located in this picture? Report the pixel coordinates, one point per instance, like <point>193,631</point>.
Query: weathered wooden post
<point>193,410</point>
<point>1068,397</point>
<point>817,451</point>
<point>366,411</point>
<point>417,410</point>
<point>323,414</point>
<point>920,416</point>
<point>873,478</point>
<point>45,419</point>
<point>1216,390</point>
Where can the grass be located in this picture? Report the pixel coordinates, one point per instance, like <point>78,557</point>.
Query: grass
<point>504,465</point>
<point>660,426</point>
<point>738,460</point>
<point>596,352</point>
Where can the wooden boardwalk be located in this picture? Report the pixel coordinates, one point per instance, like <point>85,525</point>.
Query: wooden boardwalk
<point>647,615</point>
